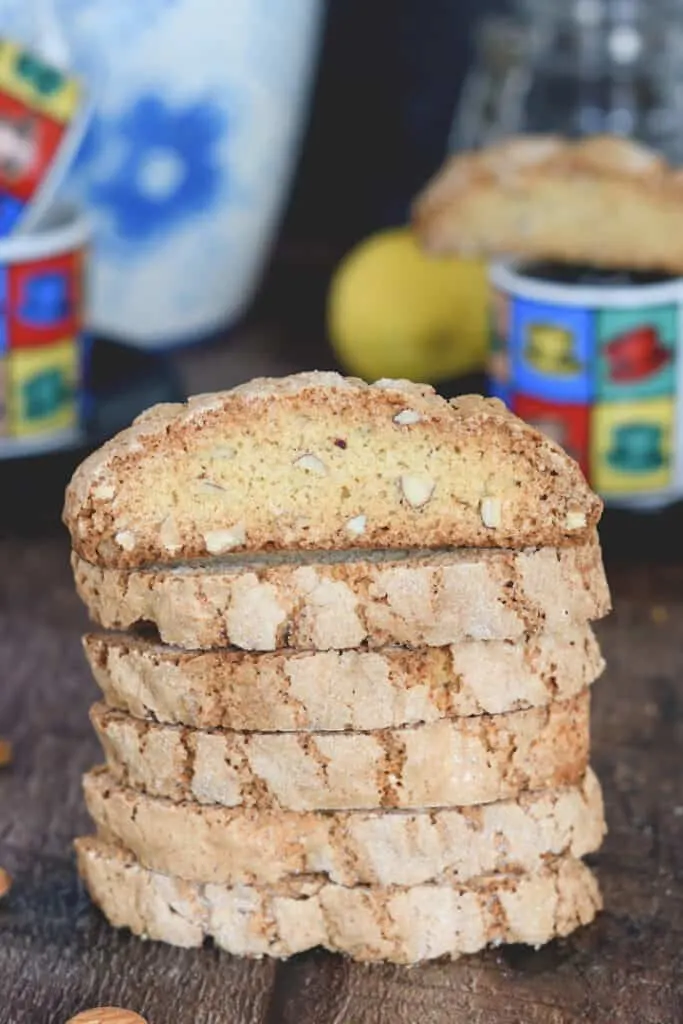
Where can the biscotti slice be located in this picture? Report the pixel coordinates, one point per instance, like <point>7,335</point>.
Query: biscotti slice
<point>452,762</point>
<point>401,925</point>
<point>336,690</point>
<point>261,847</point>
<point>601,201</point>
<point>318,461</point>
<point>339,602</point>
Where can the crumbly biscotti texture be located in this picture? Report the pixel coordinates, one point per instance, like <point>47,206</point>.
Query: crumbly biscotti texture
<point>332,691</point>
<point>317,461</point>
<point>401,925</point>
<point>601,201</point>
<point>262,847</point>
<point>452,762</point>
<point>332,603</point>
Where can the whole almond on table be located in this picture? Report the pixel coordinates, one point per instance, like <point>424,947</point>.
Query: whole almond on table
<point>5,759</point>
<point>107,1015</point>
<point>5,882</point>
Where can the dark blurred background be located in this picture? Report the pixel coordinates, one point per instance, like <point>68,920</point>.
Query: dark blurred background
<point>388,80</point>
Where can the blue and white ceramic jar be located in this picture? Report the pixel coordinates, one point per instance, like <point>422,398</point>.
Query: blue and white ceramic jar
<point>200,106</point>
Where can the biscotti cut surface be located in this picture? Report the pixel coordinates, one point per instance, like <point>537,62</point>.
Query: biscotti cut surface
<point>378,599</point>
<point>401,925</point>
<point>601,201</point>
<point>444,764</point>
<point>335,690</point>
<point>260,847</point>
<point>318,461</point>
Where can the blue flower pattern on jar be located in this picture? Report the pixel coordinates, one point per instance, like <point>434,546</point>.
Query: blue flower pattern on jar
<point>166,168</point>
<point>199,111</point>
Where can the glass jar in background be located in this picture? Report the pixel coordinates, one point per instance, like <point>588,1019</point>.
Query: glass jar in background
<point>493,91</point>
<point>578,67</point>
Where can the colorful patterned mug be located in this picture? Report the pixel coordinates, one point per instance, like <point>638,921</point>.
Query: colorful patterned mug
<point>595,360</point>
<point>42,341</point>
<point>43,117</point>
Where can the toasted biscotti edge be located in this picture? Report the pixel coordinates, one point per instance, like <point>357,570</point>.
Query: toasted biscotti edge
<point>333,690</point>
<point>546,198</point>
<point>397,925</point>
<point>321,691</point>
<point>318,461</point>
<point>261,847</point>
<point>378,599</point>
<point>504,755</point>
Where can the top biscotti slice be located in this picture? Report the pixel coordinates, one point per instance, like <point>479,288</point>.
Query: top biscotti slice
<point>316,462</point>
<point>602,201</point>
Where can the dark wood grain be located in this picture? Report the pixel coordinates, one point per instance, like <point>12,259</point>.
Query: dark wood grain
<point>58,956</point>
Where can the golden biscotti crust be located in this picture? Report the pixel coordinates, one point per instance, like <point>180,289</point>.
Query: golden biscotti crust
<point>452,762</point>
<point>400,925</point>
<point>288,690</point>
<point>261,847</point>
<point>345,601</point>
<point>317,461</point>
<point>546,198</point>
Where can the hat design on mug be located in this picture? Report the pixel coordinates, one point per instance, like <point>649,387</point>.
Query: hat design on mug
<point>637,447</point>
<point>550,350</point>
<point>636,354</point>
<point>45,394</point>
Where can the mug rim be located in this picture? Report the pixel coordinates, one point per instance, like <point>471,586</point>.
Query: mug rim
<point>503,274</point>
<point>62,228</point>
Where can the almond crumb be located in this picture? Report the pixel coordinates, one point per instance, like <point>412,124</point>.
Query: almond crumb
<point>125,539</point>
<point>219,541</point>
<point>407,417</point>
<point>490,512</point>
<point>311,463</point>
<point>576,520</point>
<point>417,490</point>
<point>103,492</point>
<point>169,535</point>
<point>356,526</point>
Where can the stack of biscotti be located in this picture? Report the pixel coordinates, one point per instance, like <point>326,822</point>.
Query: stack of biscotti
<point>345,653</point>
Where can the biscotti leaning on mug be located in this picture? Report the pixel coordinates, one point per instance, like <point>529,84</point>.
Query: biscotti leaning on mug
<point>601,201</point>
<point>344,644</point>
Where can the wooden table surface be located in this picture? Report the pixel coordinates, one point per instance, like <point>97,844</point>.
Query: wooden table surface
<point>58,956</point>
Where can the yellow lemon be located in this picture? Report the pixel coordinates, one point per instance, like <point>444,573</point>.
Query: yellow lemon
<point>395,312</point>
